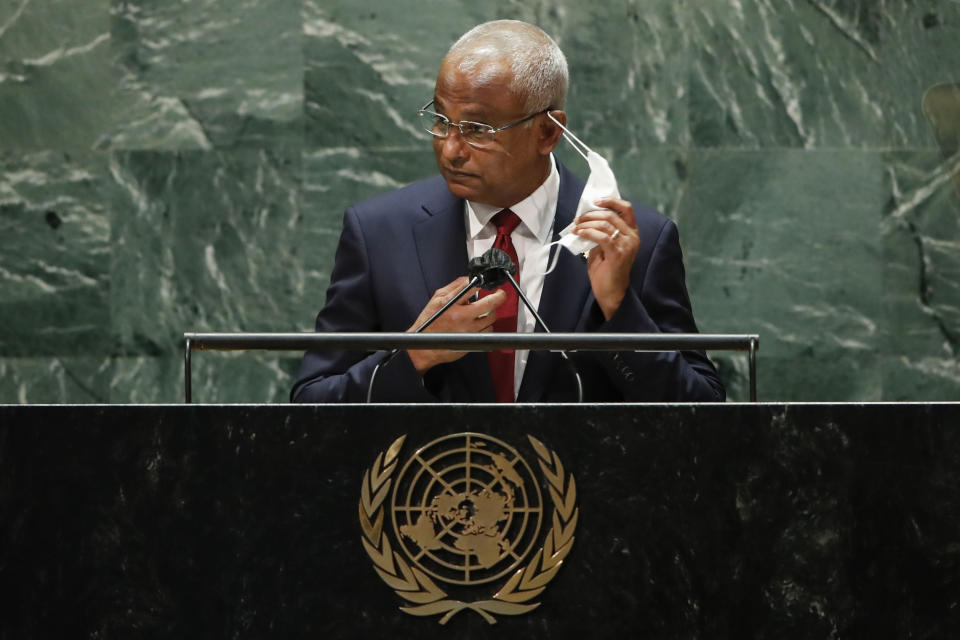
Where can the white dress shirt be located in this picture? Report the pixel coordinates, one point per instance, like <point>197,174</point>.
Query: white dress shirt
<point>536,213</point>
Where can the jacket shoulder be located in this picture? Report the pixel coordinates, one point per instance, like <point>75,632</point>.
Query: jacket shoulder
<point>650,222</point>
<point>407,200</point>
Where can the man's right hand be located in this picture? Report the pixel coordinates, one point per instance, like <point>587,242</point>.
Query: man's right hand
<point>462,317</point>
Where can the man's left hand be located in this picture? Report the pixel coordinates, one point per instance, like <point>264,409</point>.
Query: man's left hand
<point>615,232</point>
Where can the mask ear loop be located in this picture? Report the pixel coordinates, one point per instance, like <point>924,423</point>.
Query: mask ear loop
<point>556,255</point>
<point>572,139</point>
<point>576,143</point>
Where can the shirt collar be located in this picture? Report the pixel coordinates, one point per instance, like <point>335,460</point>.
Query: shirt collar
<point>536,211</point>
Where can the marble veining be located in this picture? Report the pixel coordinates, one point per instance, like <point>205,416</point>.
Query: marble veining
<point>167,167</point>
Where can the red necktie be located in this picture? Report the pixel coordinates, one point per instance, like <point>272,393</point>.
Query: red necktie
<point>501,362</point>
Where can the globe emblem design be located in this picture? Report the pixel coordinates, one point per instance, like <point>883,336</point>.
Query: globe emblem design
<point>466,509</point>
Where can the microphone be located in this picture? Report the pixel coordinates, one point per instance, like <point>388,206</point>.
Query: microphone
<point>487,271</point>
<point>475,280</point>
<point>492,268</point>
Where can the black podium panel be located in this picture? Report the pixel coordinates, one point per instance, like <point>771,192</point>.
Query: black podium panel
<point>726,521</point>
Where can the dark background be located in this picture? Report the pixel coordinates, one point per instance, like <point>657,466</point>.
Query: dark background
<point>798,521</point>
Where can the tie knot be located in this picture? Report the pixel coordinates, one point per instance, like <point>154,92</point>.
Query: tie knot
<point>506,221</point>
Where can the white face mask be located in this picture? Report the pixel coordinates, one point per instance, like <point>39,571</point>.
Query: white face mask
<point>601,184</point>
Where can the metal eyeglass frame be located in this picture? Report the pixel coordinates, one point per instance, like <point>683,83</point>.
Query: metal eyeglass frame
<point>488,129</point>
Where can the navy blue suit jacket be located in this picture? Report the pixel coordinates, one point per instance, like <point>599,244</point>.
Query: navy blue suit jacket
<point>398,248</point>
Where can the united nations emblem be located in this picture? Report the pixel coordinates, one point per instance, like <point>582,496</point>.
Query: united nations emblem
<point>466,510</point>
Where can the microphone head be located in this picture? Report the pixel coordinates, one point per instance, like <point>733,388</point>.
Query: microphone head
<point>499,259</point>
<point>492,268</point>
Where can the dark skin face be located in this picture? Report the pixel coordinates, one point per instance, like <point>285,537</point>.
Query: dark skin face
<point>518,161</point>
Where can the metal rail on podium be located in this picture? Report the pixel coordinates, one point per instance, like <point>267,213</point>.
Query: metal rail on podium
<point>648,342</point>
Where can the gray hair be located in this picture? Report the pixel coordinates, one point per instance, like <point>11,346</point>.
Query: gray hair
<point>538,66</point>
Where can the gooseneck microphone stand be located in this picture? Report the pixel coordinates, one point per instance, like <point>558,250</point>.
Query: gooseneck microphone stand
<point>477,279</point>
<point>488,272</point>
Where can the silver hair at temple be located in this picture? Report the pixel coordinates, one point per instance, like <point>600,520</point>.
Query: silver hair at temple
<point>538,66</point>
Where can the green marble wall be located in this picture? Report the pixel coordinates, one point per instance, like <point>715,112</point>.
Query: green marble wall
<point>169,167</point>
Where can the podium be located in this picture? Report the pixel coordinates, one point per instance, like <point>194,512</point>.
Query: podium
<point>243,521</point>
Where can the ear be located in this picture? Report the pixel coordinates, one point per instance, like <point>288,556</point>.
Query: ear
<point>549,132</point>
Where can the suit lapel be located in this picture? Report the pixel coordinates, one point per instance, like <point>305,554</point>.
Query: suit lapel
<point>442,250</point>
<point>439,237</point>
<point>566,292</point>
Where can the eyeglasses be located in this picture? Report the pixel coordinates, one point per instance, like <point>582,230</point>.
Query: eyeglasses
<point>476,134</point>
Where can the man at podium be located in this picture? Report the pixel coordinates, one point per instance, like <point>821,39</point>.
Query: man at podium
<point>495,117</point>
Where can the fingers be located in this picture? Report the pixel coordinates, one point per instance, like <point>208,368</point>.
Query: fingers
<point>623,208</point>
<point>447,291</point>
<point>609,236</point>
<point>468,295</point>
<point>470,316</point>
<point>614,228</point>
<point>607,221</point>
<point>606,226</point>
<point>479,315</point>
<point>444,294</point>
<point>462,316</point>
<point>618,213</point>
<point>483,311</point>
<point>601,236</point>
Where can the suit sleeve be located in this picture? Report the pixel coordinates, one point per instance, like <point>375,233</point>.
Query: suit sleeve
<point>343,376</point>
<point>659,303</point>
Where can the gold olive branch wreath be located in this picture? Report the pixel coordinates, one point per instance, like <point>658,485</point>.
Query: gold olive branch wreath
<point>416,587</point>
